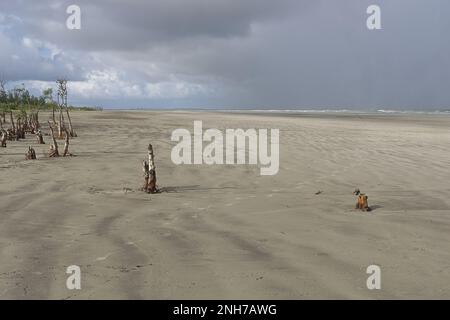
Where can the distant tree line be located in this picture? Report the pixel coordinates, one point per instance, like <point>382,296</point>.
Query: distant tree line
<point>19,98</point>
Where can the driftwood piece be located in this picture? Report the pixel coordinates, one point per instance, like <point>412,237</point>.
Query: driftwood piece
<point>31,154</point>
<point>361,203</point>
<point>149,172</point>
<point>53,152</point>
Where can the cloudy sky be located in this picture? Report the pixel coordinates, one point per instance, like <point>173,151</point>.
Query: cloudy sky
<point>232,53</point>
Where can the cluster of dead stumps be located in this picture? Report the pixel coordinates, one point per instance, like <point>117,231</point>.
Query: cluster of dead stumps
<point>19,129</point>
<point>23,123</point>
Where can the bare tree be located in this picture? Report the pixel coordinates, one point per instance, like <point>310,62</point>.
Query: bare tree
<point>3,83</point>
<point>48,97</point>
<point>62,102</point>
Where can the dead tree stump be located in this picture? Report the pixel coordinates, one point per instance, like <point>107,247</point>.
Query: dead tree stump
<point>61,125</point>
<point>13,126</point>
<point>33,122</point>
<point>31,154</point>
<point>10,134</point>
<point>17,130</point>
<point>62,103</point>
<point>3,139</point>
<point>149,172</point>
<point>66,145</point>
<point>361,203</point>
<point>39,137</point>
<point>53,152</point>
<point>20,130</point>
<point>72,133</point>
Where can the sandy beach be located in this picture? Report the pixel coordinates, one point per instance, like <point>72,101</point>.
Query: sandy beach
<point>225,231</point>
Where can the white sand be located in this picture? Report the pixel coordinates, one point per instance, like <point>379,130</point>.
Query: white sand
<point>225,231</point>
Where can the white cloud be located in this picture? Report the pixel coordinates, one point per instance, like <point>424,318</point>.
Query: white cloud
<point>101,84</point>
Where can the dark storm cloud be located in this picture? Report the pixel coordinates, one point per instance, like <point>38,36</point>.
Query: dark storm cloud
<point>125,25</point>
<point>248,53</point>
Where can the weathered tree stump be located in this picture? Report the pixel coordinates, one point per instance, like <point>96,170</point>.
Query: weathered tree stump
<point>149,172</point>
<point>33,122</point>
<point>66,145</point>
<point>61,125</point>
<point>17,130</point>
<point>10,134</point>
<point>39,137</point>
<point>53,152</point>
<point>12,121</point>
<point>361,203</point>
<point>71,131</point>
<point>31,154</point>
<point>53,113</point>
<point>20,130</point>
<point>3,139</point>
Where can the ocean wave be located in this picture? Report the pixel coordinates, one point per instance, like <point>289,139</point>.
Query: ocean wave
<point>381,111</point>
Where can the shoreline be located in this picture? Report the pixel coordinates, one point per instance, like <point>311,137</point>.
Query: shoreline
<point>287,111</point>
